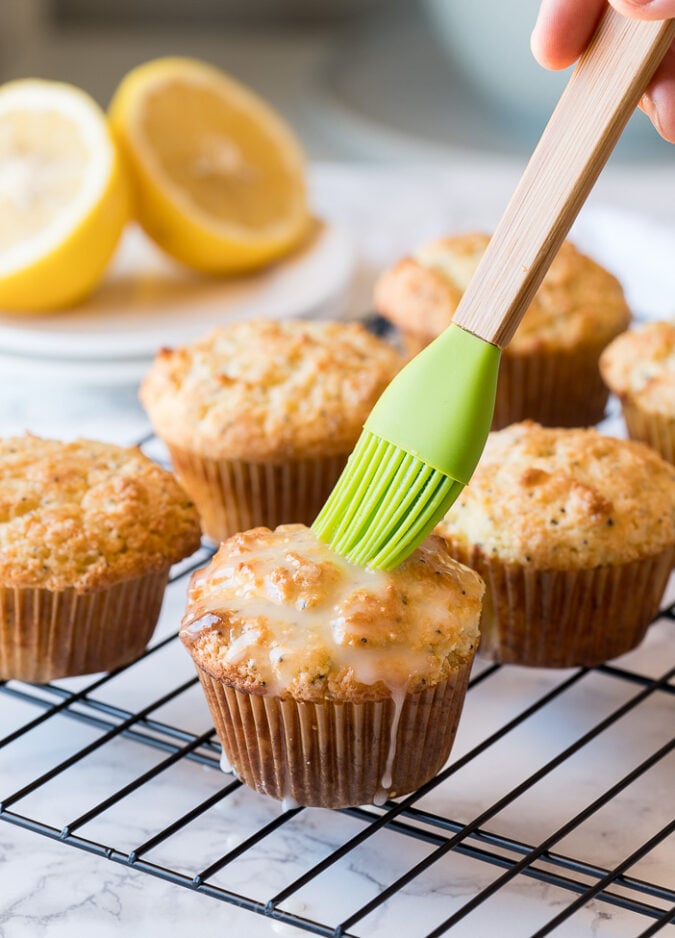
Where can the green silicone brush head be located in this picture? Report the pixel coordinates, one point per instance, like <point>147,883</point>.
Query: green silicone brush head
<point>418,449</point>
<point>384,505</point>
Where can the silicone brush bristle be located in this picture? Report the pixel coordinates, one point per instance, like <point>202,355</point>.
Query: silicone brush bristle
<point>420,446</point>
<point>384,504</point>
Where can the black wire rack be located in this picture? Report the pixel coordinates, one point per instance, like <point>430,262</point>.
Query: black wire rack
<point>574,757</point>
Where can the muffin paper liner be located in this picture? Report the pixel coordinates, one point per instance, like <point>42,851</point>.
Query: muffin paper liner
<point>557,389</point>
<point>336,754</point>
<point>233,496</point>
<point>656,430</point>
<point>46,634</point>
<point>566,618</point>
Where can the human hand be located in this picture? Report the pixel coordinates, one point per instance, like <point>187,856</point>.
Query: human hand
<point>564,28</point>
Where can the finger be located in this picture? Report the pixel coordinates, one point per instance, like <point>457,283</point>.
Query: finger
<point>659,101</point>
<point>563,30</point>
<point>645,9</point>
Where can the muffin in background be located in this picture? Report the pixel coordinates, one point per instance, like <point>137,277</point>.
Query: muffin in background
<point>259,417</point>
<point>574,535</point>
<point>639,367</point>
<point>549,371</point>
<point>329,684</point>
<point>88,533</point>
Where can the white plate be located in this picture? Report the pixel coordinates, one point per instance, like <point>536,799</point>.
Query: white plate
<point>148,300</point>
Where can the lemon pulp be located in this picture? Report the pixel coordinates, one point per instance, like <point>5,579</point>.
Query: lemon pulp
<point>218,176</point>
<point>63,201</point>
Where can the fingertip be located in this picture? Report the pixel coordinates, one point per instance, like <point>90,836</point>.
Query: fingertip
<point>538,49</point>
<point>645,9</point>
<point>659,106</point>
<point>545,45</point>
<point>659,101</point>
<point>542,53</point>
<point>562,31</point>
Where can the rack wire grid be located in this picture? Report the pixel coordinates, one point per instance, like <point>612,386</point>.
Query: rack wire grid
<point>546,768</point>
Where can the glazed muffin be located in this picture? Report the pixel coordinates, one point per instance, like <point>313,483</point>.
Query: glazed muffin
<point>549,371</point>
<point>331,684</point>
<point>88,532</point>
<point>574,534</point>
<point>639,367</point>
<point>259,417</point>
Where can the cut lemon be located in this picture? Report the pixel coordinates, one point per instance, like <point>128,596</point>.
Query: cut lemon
<point>63,198</point>
<point>219,179</point>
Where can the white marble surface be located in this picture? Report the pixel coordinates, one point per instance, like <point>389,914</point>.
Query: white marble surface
<point>48,890</point>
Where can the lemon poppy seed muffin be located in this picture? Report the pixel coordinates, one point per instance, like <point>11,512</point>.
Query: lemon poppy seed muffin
<point>260,416</point>
<point>88,532</point>
<point>574,534</point>
<point>331,684</point>
<point>549,371</point>
<point>639,367</point>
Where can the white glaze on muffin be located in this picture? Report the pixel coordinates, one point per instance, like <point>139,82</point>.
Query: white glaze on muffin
<point>277,612</point>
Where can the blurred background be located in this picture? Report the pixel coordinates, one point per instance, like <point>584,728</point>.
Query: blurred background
<point>366,80</point>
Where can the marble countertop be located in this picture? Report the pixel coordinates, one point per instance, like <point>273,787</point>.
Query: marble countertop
<point>48,890</point>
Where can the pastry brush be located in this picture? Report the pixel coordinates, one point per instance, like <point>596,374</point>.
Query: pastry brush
<point>425,435</point>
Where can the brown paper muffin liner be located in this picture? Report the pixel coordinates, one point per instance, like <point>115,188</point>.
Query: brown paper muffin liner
<point>656,430</point>
<point>233,496</point>
<point>557,389</point>
<point>333,754</point>
<point>46,634</point>
<point>566,618</point>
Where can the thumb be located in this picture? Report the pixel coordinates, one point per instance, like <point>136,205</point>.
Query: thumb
<point>645,9</point>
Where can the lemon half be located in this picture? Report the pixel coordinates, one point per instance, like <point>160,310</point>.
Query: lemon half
<point>63,197</point>
<point>218,177</point>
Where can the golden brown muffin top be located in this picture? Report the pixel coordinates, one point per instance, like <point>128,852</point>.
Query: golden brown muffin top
<point>277,612</point>
<point>640,365</point>
<point>578,301</point>
<point>269,390</point>
<point>565,499</point>
<point>87,515</point>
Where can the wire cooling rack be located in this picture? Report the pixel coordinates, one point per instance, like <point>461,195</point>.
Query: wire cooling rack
<point>548,769</point>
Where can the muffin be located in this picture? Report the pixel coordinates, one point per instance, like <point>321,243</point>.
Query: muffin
<point>88,532</point>
<point>259,417</point>
<point>574,534</point>
<point>330,684</point>
<point>639,367</point>
<point>549,371</point>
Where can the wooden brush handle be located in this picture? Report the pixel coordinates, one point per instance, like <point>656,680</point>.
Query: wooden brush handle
<point>601,95</point>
